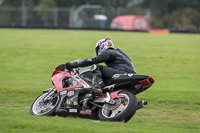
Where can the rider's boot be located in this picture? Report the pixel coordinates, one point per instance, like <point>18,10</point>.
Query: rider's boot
<point>97,86</point>
<point>95,91</point>
<point>97,80</point>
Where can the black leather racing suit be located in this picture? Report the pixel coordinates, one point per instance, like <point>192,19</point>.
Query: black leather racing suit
<point>116,60</point>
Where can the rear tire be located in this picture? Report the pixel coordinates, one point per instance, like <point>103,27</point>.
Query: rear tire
<point>124,112</point>
<point>41,108</point>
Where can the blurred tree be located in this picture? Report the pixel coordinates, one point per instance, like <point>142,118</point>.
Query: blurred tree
<point>179,14</point>
<point>46,17</point>
<point>9,16</point>
<point>12,3</point>
<point>69,3</point>
<point>188,18</point>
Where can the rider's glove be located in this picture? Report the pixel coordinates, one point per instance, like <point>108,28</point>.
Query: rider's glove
<point>68,66</point>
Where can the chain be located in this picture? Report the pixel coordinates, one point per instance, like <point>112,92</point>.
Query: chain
<point>99,106</point>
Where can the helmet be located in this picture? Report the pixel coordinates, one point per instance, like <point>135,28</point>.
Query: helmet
<point>103,44</point>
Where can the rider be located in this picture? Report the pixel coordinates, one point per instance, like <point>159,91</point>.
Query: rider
<point>116,60</point>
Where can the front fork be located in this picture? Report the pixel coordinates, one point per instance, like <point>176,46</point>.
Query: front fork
<point>51,93</point>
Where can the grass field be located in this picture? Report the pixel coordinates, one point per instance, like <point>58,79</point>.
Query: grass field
<point>28,57</point>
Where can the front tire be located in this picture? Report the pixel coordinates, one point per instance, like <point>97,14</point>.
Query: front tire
<point>122,111</point>
<point>44,108</point>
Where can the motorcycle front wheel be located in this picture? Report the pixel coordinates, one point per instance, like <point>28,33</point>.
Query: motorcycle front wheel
<point>44,108</point>
<point>123,109</point>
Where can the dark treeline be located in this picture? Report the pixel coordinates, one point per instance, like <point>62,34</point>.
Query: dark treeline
<point>171,14</point>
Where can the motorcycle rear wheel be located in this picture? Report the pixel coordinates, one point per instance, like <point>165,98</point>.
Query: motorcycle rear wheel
<point>124,112</point>
<point>44,108</point>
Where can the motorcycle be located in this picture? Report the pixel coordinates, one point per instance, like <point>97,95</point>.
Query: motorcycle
<point>73,96</point>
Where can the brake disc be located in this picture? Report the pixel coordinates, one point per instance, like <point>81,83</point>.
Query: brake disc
<point>113,106</point>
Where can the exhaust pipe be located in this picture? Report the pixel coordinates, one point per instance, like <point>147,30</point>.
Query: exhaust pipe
<point>141,104</point>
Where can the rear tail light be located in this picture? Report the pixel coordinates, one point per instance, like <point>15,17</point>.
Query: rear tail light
<point>147,82</point>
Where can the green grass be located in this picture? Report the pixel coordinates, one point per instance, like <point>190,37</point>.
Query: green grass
<point>28,57</point>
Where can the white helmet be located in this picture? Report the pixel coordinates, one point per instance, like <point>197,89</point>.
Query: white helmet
<point>103,44</point>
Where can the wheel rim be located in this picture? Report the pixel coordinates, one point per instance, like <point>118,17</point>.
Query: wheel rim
<point>42,108</point>
<point>116,112</point>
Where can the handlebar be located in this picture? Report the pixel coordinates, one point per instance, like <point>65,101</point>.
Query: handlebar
<point>73,71</point>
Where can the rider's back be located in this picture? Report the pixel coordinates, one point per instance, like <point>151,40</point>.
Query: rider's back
<point>120,61</point>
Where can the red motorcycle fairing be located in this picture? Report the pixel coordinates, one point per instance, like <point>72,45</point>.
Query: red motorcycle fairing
<point>57,78</point>
<point>115,94</point>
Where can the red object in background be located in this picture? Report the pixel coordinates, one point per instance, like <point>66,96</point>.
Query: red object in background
<point>130,22</point>
<point>159,31</point>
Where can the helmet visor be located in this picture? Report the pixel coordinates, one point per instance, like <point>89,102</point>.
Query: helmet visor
<point>97,50</point>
